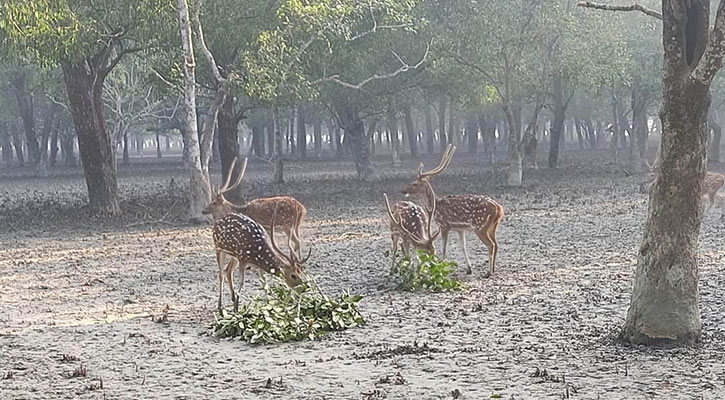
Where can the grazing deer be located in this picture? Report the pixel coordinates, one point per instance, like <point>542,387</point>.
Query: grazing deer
<point>412,224</point>
<point>291,212</point>
<point>462,213</point>
<point>712,184</point>
<point>247,243</point>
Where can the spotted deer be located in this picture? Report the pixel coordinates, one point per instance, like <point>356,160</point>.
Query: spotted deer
<point>412,224</point>
<point>246,242</point>
<point>462,213</point>
<point>291,212</point>
<point>712,184</point>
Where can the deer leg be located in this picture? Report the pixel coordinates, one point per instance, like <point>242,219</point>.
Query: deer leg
<point>462,236</point>
<point>242,271</point>
<point>229,270</point>
<point>221,280</point>
<point>406,248</point>
<point>394,238</point>
<point>444,237</point>
<point>488,241</point>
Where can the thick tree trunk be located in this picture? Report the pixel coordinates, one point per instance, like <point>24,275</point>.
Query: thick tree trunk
<point>529,141</point>
<point>301,133</point>
<point>714,154</point>
<point>410,130</point>
<point>515,170</point>
<point>472,134</point>
<point>354,129</point>
<point>199,188</point>
<point>68,150</point>
<point>94,142</point>
<point>664,305</point>
<point>557,133</point>
<point>257,140</point>
<point>442,124</point>
<point>429,133</point>
<point>229,135</point>
<point>278,159</point>
<point>638,134</point>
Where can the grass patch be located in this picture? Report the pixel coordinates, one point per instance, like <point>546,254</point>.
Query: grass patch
<point>281,314</point>
<point>423,271</point>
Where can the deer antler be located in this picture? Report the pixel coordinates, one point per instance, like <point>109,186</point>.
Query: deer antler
<point>271,237</point>
<point>226,187</point>
<point>431,209</point>
<point>445,160</point>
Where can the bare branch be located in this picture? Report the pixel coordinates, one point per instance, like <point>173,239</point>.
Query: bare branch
<point>376,27</point>
<point>166,81</point>
<point>359,86</point>
<point>611,7</point>
<point>712,59</point>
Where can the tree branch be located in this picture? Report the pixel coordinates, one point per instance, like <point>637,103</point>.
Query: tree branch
<point>376,27</point>
<point>204,49</point>
<point>611,7</point>
<point>359,86</point>
<point>712,60</point>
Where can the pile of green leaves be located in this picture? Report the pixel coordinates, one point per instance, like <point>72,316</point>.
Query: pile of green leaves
<point>423,271</point>
<point>282,314</point>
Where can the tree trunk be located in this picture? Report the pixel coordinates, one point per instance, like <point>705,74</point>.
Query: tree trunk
<point>392,122</point>
<point>68,150</point>
<point>638,132</point>
<point>453,135</point>
<point>257,140</point>
<point>472,134</point>
<point>94,142</point>
<point>429,133</point>
<point>616,129</point>
<point>442,124</point>
<point>410,130</point>
<point>126,158</point>
<point>158,145</point>
<point>301,133</point>
<point>26,108</point>
<point>515,170</point>
<point>372,126</point>
<point>271,137</point>
<point>336,137</point>
<point>7,149</point>
<point>488,134</point>
<point>278,158</point>
<point>529,141</point>
<point>664,305</point>
<point>317,134</point>
<point>199,193</point>
<point>714,154</point>
<point>354,129</point>
<point>556,134</point>
<point>229,135</point>
<point>54,147</point>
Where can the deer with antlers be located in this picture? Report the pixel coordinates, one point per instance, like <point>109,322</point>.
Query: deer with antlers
<point>248,244</point>
<point>412,224</point>
<point>291,212</point>
<point>462,213</point>
<point>710,187</point>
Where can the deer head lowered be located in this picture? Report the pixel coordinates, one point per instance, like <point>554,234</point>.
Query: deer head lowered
<point>247,244</point>
<point>412,224</point>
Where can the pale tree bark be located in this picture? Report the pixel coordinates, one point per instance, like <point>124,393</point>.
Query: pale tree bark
<point>199,189</point>
<point>664,308</point>
<point>716,126</point>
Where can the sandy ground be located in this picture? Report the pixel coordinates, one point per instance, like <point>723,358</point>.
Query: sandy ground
<point>131,299</point>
